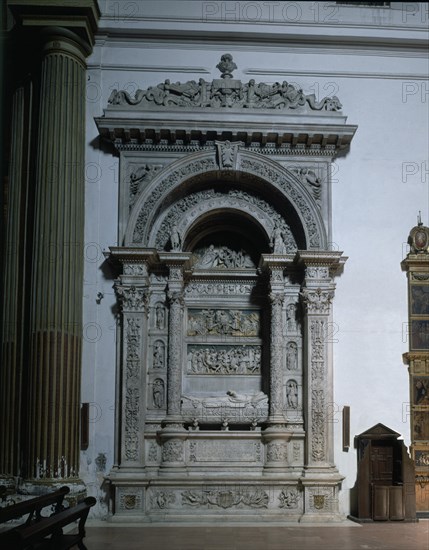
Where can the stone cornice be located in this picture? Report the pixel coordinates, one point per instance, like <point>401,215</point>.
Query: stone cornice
<point>269,129</point>
<point>324,258</point>
<point>79,16</point>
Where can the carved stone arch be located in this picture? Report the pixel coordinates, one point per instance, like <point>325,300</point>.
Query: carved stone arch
<point>188,212</point>
<point>253,172</point>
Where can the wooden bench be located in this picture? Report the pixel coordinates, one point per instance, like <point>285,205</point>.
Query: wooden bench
<point>34,506</point>
<point>47,534</point>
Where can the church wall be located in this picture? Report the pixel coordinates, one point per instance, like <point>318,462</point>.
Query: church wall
<point>375,201</point>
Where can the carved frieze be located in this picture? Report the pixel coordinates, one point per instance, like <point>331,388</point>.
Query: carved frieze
<point>135,269</point>
<point>225,92</point>
<point>226,498</point>
<point>221,257</point>
<point>223,322</point>
<point>224,360</point>
<point>216,289</point>
<point>161,499</point>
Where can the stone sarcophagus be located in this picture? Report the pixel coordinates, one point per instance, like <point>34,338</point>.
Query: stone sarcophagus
<point>225,286</point>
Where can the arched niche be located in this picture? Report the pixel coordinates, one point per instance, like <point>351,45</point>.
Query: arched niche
<point>255,175</point>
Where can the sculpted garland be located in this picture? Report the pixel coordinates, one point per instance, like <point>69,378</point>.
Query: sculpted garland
<point>224,92</point>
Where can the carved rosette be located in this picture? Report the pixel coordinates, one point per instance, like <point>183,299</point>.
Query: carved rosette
<point>174,386</point>
<point>276,374</point>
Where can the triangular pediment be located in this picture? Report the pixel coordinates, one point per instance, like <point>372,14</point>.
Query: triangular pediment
<point>379,431</point>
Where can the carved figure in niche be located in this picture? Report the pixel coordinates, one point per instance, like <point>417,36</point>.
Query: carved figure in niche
<point>292,394</point>
<point>277,240</point>
<point>158,355</point>
<point>159,317</point>
<point>175,239</point>
<point>158,393</point>
<point>291,317</point>
<point>292,356</point>
<point>421,396</point>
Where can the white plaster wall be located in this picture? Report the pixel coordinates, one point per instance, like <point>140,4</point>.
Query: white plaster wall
<point>376,198</point>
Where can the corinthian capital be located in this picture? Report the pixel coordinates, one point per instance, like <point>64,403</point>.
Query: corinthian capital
<point>318,300</point>
<point>132,298</point>
<point>277,298</point>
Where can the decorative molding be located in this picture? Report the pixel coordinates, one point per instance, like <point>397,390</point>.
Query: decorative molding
<point>218,289</point>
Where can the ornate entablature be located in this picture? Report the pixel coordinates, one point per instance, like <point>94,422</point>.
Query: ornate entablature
<point>275,118</point>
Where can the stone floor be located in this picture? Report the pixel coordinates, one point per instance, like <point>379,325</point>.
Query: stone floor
<point>375,536</point>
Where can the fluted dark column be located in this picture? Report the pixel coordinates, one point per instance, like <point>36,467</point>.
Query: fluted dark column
<point>57,273</point>
<point>12,302</point>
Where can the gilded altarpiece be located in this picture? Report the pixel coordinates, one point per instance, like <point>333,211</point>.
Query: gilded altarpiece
<point>416,265</point>
<point>226,282</point>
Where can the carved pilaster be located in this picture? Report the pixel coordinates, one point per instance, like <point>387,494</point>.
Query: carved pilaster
<point>317,295</point>
<point>174,388</point>
<point>133,301</point>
